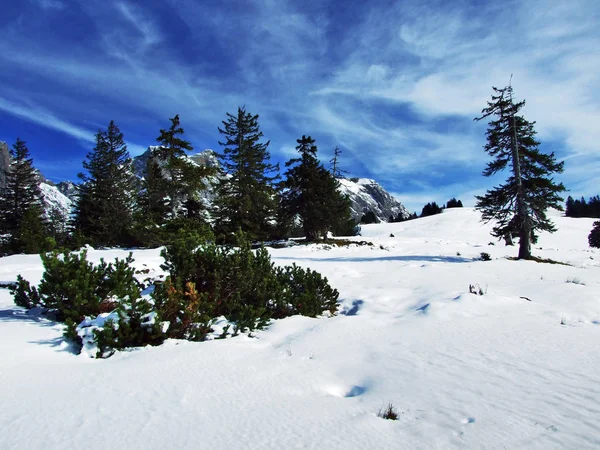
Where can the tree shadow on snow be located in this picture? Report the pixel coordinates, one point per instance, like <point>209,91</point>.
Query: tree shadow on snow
<point>21,315</point>
<point>401,258</point>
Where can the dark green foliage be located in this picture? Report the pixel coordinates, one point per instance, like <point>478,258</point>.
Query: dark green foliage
<point>430,209</point>
<point>208,281</point>
<point>369,217</point>
<point>176,178</point>
<point>136,326</point>
<point>246,200</point>
<point>105,204</point>
<point>153,206</point>
<point>169,199</point>
<point>305,292</point>
<point>32,235</point>
<point>520,203</point>
<point>24,295</point>
<point>21,214</point>
<point>581,208</point>
<point>72,287</point>
<point>311,193</point>
<point>594,237</point>
<point>453,203</point>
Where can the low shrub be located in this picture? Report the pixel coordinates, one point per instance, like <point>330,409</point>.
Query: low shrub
<point>388,412</point>
<point>241,284</point>
<point>594,236</point>
<point>103,308</point>
<point>73,291</point>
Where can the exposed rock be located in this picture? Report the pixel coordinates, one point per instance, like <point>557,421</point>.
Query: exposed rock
<point>4,162</point>
<point>367,195</point>
<point>68,189</point>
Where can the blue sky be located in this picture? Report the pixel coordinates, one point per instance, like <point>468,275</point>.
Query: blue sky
<point>394,84</point>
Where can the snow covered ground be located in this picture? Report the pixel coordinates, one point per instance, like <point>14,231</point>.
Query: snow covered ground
<point>464,371</point>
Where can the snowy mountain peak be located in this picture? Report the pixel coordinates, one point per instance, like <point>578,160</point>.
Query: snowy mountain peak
<point>368,195</point>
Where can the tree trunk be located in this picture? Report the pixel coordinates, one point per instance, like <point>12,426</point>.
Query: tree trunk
<point>524,222</point>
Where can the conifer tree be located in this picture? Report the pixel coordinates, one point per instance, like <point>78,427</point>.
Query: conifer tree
<point>21,211</point>
<point>105,203</point>
<point>430,209</point>
<point>519,205</point>
<point>246,199</point>
<point>311,192</point>
<point>178,176</point>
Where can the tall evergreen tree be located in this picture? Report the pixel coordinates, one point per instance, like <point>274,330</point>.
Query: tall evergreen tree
<point>519,205</point>
<point>311,192</point>
<point>181,179</point>
<point>105,203</point>
<point>246,199</point>
<point>21,212</point>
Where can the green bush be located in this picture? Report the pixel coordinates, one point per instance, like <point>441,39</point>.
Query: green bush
<point>594,236</point>
<point>24,295</point>
<point>236,282</point>
<point>73,287</point>
<point>305,292</point>
<point>137,326</point>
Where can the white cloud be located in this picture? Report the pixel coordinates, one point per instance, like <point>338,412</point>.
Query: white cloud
<point>51,4</point>
<point>37,114</point>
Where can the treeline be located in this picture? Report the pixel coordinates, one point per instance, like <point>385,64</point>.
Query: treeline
<point>581,208</point>
<point>429,209</point>
<point>114,207</point>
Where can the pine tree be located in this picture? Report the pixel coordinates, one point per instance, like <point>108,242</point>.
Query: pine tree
<point>430,209</point>
<point>246,199</point>
<point>519,205</point>
<point>454,203</point>
<point>105,203</point>
<point>21,204</point>
<point>311,192</point>
<point>179,177</point>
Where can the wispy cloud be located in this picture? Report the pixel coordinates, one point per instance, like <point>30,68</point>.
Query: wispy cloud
<point>397,87</point>
<point>50,4</point>
<point>37,114</point>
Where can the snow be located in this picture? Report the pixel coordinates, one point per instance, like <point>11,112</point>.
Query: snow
<point>464,371</point>
<point>54,200</point>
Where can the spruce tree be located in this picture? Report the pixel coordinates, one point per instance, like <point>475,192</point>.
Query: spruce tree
<point>519,205</point>
<point>106,198</point>
<point>21,210</point>
<point>311,192</point>
<point>178,176</point>
<point>430,209</point>
<point>246,198</point>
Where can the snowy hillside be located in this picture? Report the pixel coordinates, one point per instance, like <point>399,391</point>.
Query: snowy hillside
<point>490,371</point>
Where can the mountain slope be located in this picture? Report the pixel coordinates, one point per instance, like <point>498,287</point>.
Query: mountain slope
<point>367,195</point>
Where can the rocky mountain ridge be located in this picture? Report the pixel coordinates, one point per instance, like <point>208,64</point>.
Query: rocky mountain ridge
<point>365,194</point>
